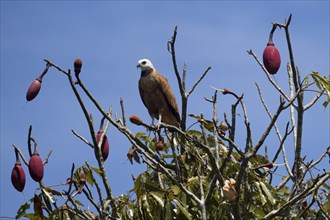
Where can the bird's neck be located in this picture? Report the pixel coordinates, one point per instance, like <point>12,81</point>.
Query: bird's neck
<point>146,72</point>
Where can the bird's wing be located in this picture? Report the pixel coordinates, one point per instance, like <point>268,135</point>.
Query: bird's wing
<point>141,90</point>
<point>169,96</point>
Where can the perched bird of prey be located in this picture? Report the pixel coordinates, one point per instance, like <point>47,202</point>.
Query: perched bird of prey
<point>157,95</point>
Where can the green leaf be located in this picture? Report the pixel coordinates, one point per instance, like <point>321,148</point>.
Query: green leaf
<point>175,189</point>
<point>106,204</point>
<point>96,170</point>
<point>77,173</point>
<point>182,209</point>
<point>88,174</point>
<point>48,194</point>
<point>32,216</point>
<point>306,81</point>
<point>37,200</point>
<point>54,192</point>
<point>146,207</point>
<point>158,197</point>
<point>169,211</point>
<point>322,82</point>
<point>209,125</point>
<point>262,197</point>
<point>78,202</point>
<point>22,210</point>
<point>194,133</point>
<point>268,193</point>
<point>143,136</point>
<point>136,157</point>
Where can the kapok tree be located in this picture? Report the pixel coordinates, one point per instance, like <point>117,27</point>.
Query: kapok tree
<point>192,174</point>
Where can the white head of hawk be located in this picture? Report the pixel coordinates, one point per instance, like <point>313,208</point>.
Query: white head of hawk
<point>143,64</point>
<point>157,96</point>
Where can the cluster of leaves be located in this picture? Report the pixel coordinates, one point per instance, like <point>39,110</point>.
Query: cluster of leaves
<point>158,198</point>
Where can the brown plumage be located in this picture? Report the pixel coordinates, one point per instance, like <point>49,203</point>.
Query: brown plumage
<point>157,95</point>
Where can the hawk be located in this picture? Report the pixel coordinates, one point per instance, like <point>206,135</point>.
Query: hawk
<point>157,95</point>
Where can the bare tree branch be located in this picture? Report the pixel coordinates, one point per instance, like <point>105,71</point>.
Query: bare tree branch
<point>198,81</point>
<point>82,138</point>
<point>314,100</point>
<point>282,140</point>
<point>250,52</point>
<point>317,184</point>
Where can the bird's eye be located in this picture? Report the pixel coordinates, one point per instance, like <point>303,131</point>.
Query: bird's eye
<point>144,63</point>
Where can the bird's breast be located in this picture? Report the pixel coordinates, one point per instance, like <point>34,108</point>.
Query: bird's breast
<point>152,95</point>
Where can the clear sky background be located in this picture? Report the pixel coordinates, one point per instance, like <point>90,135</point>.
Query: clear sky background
<point>111,37</point>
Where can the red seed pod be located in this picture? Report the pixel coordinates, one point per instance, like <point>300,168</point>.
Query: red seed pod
<point>105,145</point>
<point>77,66</point>
<point>82,182</point>
<point>18,177</point>
<point>160,145</point>
<point>135,120</point>
<point>271,58</point>
<point>68,180</point>
<point>36,167</point>
<point>33,89</point>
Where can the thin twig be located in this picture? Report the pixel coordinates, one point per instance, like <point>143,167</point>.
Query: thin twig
<point>198,81</point>
<point>57,67</point>
<point>314,100</point>
<point>76,207</point>
<point>21,154</point>
<point>202,146</point>
<point>90,198</point>
<point>270,126</point>
<point>302,195</point>
<point>97,151</point>
<point>202,199</point>
<point>211,188</point>
<point>47,157</point>
<point>231,143</point>
<point>282,140</point>
<point>98,189</point>
<point>215,127</point>
<point>250,52</point>
<point>71,179</point>
<point>122,111</point>
<point>249,142</point>
<point>29,141</point>
<point>82,138</point>
<point>171,49</point>
<point>310,166</point>
<point>283,183</point>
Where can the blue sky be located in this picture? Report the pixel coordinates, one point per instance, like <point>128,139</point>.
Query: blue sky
<point>111,37</point>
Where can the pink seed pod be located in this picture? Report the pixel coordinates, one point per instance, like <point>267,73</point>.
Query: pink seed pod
<point>33,89</point>
<point>18,177</point>
<point>105,145</point>
<point>36,167</point>
<point>271,56</point>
